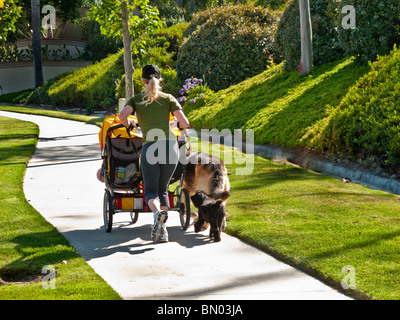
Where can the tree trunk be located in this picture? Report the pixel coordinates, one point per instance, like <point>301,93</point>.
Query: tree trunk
<point>191,4</point>
<point>37,43</point>
<point>128,65</point>
<point>306,61</point>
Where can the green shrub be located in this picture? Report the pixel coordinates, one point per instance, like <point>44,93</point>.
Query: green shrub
<point>275,4</point>
<point>198,19</point>
<point>366,124</point>
<point>377,28</point>
<point>170,83</point>
<point>232,45</point>
<point>99,46</point>
<point>137,84</point>
<point>198,97</point>
<point>326,45</point>
<point>16,97</point>
<point>172,14</point>
<point>160,48</point>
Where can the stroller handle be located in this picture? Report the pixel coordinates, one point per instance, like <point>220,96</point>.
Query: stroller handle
<point>118,126</point>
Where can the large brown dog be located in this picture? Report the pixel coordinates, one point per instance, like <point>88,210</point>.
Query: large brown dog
<point>207,173</point>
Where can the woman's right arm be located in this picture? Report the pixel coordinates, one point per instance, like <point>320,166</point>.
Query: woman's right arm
<point>124,114</point>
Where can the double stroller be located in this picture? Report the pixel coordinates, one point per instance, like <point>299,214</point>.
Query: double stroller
<point>124,190</point>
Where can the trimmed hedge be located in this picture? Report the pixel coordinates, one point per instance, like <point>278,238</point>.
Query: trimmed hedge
<point>233,44</point>
<point>377,28</point>
<point>326,45</point>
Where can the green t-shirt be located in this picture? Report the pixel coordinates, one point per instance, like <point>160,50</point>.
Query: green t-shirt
<point>154,115</point>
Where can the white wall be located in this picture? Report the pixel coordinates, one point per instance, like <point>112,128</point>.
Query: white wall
<point>17,76</point>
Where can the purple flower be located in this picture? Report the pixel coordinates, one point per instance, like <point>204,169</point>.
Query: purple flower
<point>193,100</point>
<point>201,96</point>
<point>181,99</point>
<point>197,81</point>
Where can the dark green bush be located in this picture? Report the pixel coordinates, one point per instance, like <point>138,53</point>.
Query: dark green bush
<point>275,4</point>
<point>365,126</point>
<point>326,45</point>
<point>377,28</point>
<point>99,46</point>
<point>197,20</point>
<point>170,83</point>
<point>16,97</point>
<point>171,14</point>
<point>160,48</point>
<point>232,45</point>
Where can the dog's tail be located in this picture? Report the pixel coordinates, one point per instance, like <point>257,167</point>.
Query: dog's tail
<point>224,195</point>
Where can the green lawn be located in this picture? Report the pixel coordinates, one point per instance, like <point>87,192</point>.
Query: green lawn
<point>27,241</point>
<point>317,223</point>
<point>55,114</point>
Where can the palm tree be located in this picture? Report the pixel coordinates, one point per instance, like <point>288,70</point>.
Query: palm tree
<point>306,61</point>
<point>37,43</point>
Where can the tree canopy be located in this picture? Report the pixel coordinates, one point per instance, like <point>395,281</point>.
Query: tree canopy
<point>10,12</point>
<point>143,18</point>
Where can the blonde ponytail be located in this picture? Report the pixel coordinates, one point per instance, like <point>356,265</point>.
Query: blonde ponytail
<point>152,89</point>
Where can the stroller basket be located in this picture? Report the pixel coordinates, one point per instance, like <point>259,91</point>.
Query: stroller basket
<point>121,159</point>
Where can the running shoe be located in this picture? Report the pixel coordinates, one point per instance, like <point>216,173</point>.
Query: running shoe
<point>159,231</point>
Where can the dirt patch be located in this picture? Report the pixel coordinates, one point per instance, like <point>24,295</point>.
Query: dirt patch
<point>27,279</point>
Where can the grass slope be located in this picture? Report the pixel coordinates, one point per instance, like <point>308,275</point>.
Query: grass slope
<point>280,106</point>
<point>27,241</point>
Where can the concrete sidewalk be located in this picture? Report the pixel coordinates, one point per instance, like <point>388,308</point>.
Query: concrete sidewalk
<point>60,182</point>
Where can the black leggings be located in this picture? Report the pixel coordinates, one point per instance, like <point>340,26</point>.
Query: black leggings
<point>158,162</point>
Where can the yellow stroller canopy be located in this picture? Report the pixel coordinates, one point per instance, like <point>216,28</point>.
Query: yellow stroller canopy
<point>122,132</point>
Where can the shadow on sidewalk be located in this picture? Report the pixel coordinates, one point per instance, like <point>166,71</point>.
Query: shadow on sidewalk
<point>97,243</point>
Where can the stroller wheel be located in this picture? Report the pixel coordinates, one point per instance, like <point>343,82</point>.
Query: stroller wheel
<point>184,210</point>
<point>134,217</point>
<point>108,211</point>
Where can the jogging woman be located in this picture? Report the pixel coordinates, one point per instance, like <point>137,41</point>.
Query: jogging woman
<point>159,155</point>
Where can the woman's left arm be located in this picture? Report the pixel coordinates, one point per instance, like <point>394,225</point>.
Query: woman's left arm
<point>183,121</point>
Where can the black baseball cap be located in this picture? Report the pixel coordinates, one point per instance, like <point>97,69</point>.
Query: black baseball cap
<point>150,70</point>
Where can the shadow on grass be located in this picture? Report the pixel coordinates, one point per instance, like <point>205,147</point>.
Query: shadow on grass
<point>282,108</point>
<point>235,115</point>
<point>374,240</point>
<point>10,154</point>
<point>327,89</point>
<point>36,250</point>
